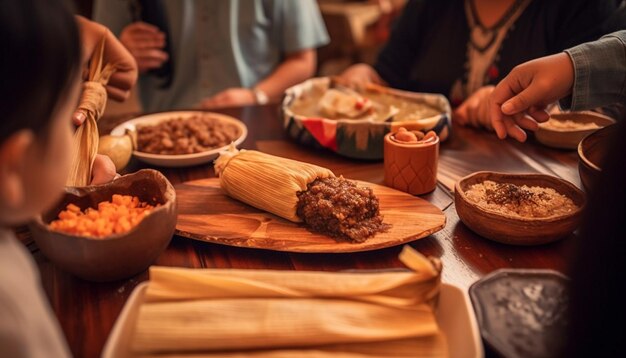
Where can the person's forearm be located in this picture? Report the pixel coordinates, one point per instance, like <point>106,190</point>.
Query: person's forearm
<point>294,69</point>
<point>600,73</point>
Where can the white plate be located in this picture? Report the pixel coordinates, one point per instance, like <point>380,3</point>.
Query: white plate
<point>454,315</point>
<point>182,160</point>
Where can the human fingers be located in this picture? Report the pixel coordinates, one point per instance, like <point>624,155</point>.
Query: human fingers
<point>103,170</point>
<point>513,130</point>
<point>141,27</point>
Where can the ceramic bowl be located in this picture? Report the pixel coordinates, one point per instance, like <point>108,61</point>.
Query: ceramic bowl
<point>359,138</point>
<point>117,256</point>
<point>591,152</point>
<point>179,160</point>
<point>512,229</point>
<point>569,138</point>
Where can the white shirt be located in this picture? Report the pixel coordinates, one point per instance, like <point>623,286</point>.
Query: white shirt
<point>28,327</point>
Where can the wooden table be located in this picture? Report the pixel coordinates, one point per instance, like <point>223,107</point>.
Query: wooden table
<point>87,311</point>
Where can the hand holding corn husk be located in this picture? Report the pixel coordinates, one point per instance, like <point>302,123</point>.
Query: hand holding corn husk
<point>119,85</point>
<point>92,103</point>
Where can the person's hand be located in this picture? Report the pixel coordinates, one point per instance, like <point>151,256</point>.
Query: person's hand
<point>231,97</point>
<point>145,42</point>
<point>103,170</point>
<point>474,111</point>
<point>124,78</point>
<point>520,100</point>
<point>359,75</point>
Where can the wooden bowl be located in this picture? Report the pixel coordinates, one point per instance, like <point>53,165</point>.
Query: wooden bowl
<point>591,152</point>
<point>569,138</point>
<point>117,256</point>
<point>516,230</point>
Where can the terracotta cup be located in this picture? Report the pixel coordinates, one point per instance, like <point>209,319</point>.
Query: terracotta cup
<point>411,167</point>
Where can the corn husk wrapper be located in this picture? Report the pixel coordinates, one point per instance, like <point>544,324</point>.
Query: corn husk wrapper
<point>277,313</point>
<point>92,103</point>
<point>265,181</point>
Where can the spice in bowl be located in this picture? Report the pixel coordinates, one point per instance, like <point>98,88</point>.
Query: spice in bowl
<point>117,216</point>
<point>523,201</point>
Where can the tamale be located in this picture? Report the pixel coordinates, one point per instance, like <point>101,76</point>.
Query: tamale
<point>265,181</point>
<point>92,103</point>
<point>300,191</point>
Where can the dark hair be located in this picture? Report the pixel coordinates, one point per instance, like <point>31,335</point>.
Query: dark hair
<point>40,57</point>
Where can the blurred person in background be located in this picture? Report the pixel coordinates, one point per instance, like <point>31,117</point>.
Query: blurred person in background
<point>461,48</point>
<point>216,53</point>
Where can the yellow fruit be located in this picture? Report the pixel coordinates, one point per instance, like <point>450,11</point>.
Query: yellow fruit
<point>118,148</point>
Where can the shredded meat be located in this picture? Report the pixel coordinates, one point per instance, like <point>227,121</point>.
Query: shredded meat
<point>185,136</point>
<point>339,208</point>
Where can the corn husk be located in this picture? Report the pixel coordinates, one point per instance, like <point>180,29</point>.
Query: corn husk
<point>92,103</point>
<point>233,313</point>
<point>265,181</point>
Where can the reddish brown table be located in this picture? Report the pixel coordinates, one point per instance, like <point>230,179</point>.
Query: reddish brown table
<point>87,311</point>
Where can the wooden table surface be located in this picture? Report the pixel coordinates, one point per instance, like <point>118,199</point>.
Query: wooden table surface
<point>87,311</point>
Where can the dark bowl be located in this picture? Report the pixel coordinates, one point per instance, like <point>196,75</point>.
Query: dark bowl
<point>515,230</point>
<point>591,152</point>
<point>117,256</point>
<point>522,312</point>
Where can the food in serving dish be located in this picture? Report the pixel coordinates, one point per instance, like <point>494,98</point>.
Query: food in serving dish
<point>519,209</point>
<point>117,216</point>
<point>340,208</point>
<point>567,125</point>
<point>119,255</point>
<point>566,130</point>
<point>415,137</point>
<point>356,125</point>
<point>300,192</point>
<point>411,160</point>
<point>195,134</point>
<point>369,104</point>
<point>520,200</point>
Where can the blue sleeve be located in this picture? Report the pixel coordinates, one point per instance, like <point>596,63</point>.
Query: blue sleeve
<point>301,25</point>
<point>114,14</point>
<point>599,73</point>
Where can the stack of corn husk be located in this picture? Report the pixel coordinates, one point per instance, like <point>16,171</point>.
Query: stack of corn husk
<point>251,313</point>
<point>92,103</point>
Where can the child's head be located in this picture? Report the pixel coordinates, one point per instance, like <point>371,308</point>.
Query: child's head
<point>39,87</point>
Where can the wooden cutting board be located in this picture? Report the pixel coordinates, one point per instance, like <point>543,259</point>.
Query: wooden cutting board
<point>205,213</point>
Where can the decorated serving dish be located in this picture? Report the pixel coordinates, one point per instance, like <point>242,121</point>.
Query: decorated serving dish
<point>319,112</point>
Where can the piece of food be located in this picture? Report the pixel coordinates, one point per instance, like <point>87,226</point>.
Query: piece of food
<point>523,201</point>
<point>117,216</point>
<point>568,125</point>
<point>405,136</point>
<point>118,148</point>
<point>374,105</point>
<point>300,192</point>
<point>346,103</point>
<point>339,208</point>
<point>92,103</point>
<point>194,134</point>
